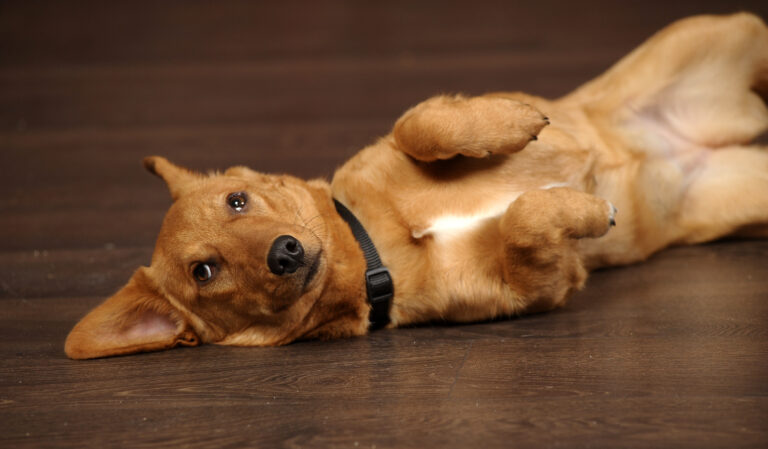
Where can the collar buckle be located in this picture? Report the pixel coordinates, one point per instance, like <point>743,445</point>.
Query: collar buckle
<point>380,289</point>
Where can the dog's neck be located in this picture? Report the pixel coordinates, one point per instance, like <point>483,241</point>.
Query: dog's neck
<point>378,281</point>
<point>341,309</point>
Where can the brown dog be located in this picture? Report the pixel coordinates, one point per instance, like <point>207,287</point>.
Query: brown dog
<point>473,215</point>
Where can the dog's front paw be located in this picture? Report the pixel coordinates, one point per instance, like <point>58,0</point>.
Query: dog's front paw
<point>506,125</point>
<point>559,213</point>
<point>612,214</point>
<point>588,216</point>
<point>525,122</point>
<point>443,127</point>
<point>594,216</point>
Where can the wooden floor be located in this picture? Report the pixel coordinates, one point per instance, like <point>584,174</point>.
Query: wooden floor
<point>670,353</point>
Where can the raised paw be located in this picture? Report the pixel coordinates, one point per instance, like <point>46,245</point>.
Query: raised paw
<point>443,127</point>
<point>559,213</point>
<point>508,125</point>
<point>541,259</point>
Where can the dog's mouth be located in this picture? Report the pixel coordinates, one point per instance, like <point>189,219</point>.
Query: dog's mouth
<point>314,268</point>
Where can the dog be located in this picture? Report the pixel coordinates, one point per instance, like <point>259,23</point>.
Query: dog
<point>472,208</point>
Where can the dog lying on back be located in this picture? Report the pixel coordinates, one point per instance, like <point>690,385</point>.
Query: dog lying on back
<point>479,207</point>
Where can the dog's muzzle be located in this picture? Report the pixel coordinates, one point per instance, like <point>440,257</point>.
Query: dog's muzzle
<point>285,256</point>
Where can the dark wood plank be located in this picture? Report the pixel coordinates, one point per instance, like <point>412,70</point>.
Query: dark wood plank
<point>181,31</point>
<point>617,364</point>
<point>159,66</point>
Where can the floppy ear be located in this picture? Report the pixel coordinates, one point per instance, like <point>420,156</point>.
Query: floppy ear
<point>177,178</point>
<point>135,319</point>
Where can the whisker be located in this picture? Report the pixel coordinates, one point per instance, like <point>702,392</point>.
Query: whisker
<point>317,228</point>
<point>297,215</point>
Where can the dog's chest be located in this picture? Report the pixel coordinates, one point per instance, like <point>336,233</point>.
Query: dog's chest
<point>454,224</point>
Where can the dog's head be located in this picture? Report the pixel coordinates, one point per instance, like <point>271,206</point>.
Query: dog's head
<point>242,258</point>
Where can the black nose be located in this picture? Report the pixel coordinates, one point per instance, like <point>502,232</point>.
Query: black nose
<point>285,256</point>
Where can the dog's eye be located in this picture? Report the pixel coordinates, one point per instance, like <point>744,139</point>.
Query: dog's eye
<point>237,201</point>
<point>203,272</point>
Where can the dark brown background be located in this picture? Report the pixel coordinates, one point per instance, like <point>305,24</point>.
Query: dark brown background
<point>671,353</point>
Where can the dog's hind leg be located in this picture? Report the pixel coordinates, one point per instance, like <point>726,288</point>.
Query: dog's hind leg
<point>728,194</point>
<point>698,82</point>
<point>445,126</point>
<point>541,228</point>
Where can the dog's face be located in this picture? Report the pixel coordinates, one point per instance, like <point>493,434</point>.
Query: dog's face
<point>240,259</point>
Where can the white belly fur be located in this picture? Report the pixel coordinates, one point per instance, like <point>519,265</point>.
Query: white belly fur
<point>447,227</point>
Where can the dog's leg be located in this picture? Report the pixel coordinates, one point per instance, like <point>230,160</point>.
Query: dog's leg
<point>540,230</point>
<point>444,126</point>
<point>698,82</point>
<point>728,194</point>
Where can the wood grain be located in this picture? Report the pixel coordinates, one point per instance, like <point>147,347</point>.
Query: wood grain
<point>669,353</point>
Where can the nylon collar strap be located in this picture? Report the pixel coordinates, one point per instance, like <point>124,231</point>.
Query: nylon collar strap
<point>378,281</point>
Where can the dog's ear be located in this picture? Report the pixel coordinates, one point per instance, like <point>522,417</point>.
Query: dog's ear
<point>136,319</point>
<point>177,178</point>
<point>242,171</point>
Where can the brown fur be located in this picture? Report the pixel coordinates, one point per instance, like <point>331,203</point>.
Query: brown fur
<point>479,206</point>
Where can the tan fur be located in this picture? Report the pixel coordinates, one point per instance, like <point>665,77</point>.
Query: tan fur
<point>480,206</point>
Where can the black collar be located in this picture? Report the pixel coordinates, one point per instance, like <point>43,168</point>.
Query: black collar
<point>378,281</point>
